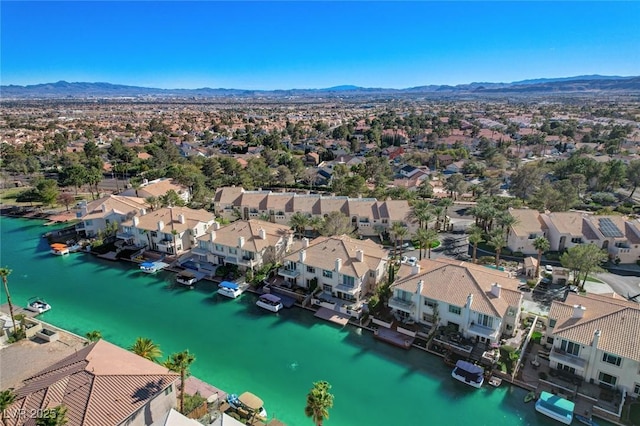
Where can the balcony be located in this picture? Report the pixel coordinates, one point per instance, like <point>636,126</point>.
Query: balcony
<point>486,332</point>
<point>288,273</point>
<point>347,289</point>
<point>565,358</point>
<point>402,305</point>
<point>165,245</point>
<point>127,236</point>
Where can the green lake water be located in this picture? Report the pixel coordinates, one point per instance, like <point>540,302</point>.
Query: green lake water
<point>240,347</point>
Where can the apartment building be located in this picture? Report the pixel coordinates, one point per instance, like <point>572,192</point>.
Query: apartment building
<point>250,244</point>
<point>98,214</point>
<point>479,302</point>
<point>525,231</point>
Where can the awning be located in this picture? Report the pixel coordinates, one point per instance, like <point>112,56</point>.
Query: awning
<point>227,284</point>
<point>251,401</point>
<point>147,265</point>
<point>58,246</point>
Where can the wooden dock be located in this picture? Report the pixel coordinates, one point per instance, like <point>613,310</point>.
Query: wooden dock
<point>394,337</point>
<point>17,310</point>
<point>333,316</point>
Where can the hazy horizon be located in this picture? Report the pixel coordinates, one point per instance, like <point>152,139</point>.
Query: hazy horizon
<point>270,45</point>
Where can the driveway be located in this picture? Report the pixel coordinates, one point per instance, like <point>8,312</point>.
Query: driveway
<point>624,286</point>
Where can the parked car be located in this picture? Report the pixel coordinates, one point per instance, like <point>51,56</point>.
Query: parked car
<point>548,269</point>
<point>412,261</point>
<point>404,259</point>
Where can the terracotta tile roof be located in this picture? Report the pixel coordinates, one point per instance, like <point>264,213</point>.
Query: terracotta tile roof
<point>156,189</point>
<point>307,204</point>
<point>360,207</point>
<point>452,281</point>
<point>114,203</point>
<point>528,222</point>
<point>250,230</point>
<point>566,222</point>
<point>253,199</point>
<point>228,194</point>
<point>393,210</point>
<point>323,252</point>
<point>280,202</point>
<point>192,217</point>
<point>617,319</point>
<point>100,385</point>
<point>328,205</point>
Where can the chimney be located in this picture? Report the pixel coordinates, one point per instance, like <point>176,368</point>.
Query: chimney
<point>240,242</point>
<point>338,264</point>
<point>305,242</point>
<point>578,311</point>
<point>303,255</point>
<point>182,219</point>
<point>103,207</point>
<point>360,255</point>
<point>216,225</point>
<point>160,225</point>
<point>469,300</point>
<point>415,269</point>
<point>596,338</point>
<point>420,287</point>
<point>262,233</point>
<point>496,289</point>
<point>212,236</point>
<point>136,221</point>
<point>143,212</point>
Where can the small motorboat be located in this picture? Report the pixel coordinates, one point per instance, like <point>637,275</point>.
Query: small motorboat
<point>247,401</point>
<point>270,302</point>
<point>531,396</point>
<point>585,420</point>
<point>59,249</point>
<point>187,278</point>
<point>229,289</point>
<point>36,304</point>
<point>495,381</point>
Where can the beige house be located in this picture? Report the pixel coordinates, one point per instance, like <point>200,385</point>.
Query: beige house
<point>368,216</point>
<point>157,188</point>
<point>247,243</point>
<point>96,215</point>
<point>596,337</point>
<point>523,233</point>
<point>170,230</point>
<point>101,385</point>
<point>479,302</point>
<point>342,267</point>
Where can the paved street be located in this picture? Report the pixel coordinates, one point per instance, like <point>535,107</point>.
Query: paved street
<point>624,286</point>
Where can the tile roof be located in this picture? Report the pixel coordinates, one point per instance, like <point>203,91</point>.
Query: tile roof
<point>250,230</point>
<point>452,281</point>
<point>322,253</point>
<point>528,222</point>
<point>114,203</point>
<point>100,385</point>
<point>156,189</point>
<point>617,319</point>
<point>228,194</point>
<point>567,222</point>
<point>171,219</point>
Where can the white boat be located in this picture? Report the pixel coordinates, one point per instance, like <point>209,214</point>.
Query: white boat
<point>59,249</point>
<point>187,278</point>
<point>468,373</point>
<point>249,402</point>
<point>36,304</point>
<point>229,289</point>
<point>557,408</point>
<point>270,302</point>
<point>495,381</point>
<point>75,248</point>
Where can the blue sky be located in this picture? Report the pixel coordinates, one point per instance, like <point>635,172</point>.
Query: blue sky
<point>313,44</point>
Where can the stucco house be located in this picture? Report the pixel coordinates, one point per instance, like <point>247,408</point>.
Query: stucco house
<point>524,232</point>
<point>98,214</point>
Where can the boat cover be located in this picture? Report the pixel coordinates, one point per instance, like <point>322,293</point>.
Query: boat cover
<point>251,401</point>
<point>270,298</point>
<point>468,367</point>
<point>556,404</point>
<point>227,284</point>
<point>147,264</point>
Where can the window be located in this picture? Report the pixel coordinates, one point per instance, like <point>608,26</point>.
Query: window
<point>373,274</point>
<point>636,389</point>
<point>532,236</point>
<point>168,390</point>
<point>552,323</point>
<point>327,274</point>
<point>607,378</point>
<point>327,288</point>
<point>570,347</point>
<point>430,303</point>
<point>485,320</point>
<point>566,368</point>
<point>348,281</point>
<point>219,248</point>
<point>88,222</point>
<point>612,359</point>
<point>455,309</point>
<point>233,250</point>
<point>202,244</point>
<point>311,269</point>
<point>404,295</point>
<point>577,240</point>
<point>550,340</point>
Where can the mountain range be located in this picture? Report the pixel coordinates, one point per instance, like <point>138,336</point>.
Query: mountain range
<point>578,84</point>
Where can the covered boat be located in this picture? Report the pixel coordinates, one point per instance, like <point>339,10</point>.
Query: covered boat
<point>37,304</point>
<point>270,302</point>
<point>186,278</point>
<point>59,249</point>
<point>466,372</point>
<point>557,408</point>
<point>249,402</point>
<point>229,289</point>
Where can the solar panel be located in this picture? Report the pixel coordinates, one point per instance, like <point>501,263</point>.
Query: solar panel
<point>609,229</point>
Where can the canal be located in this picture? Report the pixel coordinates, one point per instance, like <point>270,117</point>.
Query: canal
<point>240,347</point>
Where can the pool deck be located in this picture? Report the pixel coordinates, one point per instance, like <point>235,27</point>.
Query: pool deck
<point>333,316</point>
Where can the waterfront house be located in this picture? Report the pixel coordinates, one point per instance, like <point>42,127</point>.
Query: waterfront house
<point>342,267</point>
<point>102,385</point>
<point>477,301</point>
<point>157,188</point>
<point>250,244</point>
<point>523,233</point>
<point>170,230</point>
<point>97,215</point>
<point>595,337</point>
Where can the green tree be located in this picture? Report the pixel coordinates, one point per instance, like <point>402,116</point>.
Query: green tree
<point>180,362</point>
<point>299,223</point>
<point>582,260</point>
<point>93,336</point>
<point>420,212</point>
<point>426,238</point>
<point>633,175</point>
<point>319,401</point>
<point>146,348</point>
<point>66,199</point>
<point>475,238</point>
<point>541,244</point>
<point>7,397</point>
<point>497,241</point>
<point>74,175</point>
<point>4,273</point>
<point>398,231</point>
<point>336,223</point>
<point>56,416</point>
<point>47,191</point>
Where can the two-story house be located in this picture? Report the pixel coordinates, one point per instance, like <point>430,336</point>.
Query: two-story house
<point>597,338</point>
<point>170,230</point>
<point>479,302</point>
<point>341,266</point>
<point>567,229</point>
<point>523,233</point>
<point>97,215</point>
<point>250,244</point>
<point>157,188</point>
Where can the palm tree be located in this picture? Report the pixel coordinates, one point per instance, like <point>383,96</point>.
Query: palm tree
<point>430,237</point>
<point>299,223</point>
<point>180,363</point>
<point>438,211</point>
<point>319,400</point>
<point>541,244</point>
<point>420,212</point>
<point>93,336</point>
<point>506,221</point>
<point>7,397</point>
<point>399,231</point>
<point>56,416</point>
<point>496,240</point>
<point>4,273</point>
<point>146,348</point>
<point>445,203</point>
<point>475,238</point>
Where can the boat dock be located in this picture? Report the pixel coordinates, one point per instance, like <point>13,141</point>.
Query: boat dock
<point>333,316</point>
<point>18,310</point>
<point>287,301</point>
<point>394,337</point>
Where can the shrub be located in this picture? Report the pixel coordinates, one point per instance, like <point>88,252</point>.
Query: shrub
<point>531,283</point>
<point>536,336</point>
<point>542,375</point>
